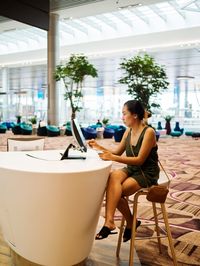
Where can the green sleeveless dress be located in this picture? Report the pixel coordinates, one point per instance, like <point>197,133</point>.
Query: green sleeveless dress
<point>150,167</point>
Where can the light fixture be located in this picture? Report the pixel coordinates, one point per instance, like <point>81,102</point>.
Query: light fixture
<point>184,77</point>
<point>129,6</point>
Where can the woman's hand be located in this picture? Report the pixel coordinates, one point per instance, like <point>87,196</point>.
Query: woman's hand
<point>93,144</point>
<point>106,156</point>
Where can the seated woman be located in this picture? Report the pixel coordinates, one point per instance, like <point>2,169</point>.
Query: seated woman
<point>139,142</point>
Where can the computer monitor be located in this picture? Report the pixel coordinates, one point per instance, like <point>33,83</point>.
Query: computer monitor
<point>80,140</point>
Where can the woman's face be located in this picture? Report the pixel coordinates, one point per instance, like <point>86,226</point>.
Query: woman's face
<point>127,117</point>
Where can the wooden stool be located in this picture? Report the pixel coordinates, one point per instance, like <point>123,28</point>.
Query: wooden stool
<point>133,237</point>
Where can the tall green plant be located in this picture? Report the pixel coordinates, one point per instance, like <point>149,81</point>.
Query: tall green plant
<point>145,78</point>
<point>73,73</point>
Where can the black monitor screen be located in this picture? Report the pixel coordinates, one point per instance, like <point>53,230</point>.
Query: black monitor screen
<point>78,136</point>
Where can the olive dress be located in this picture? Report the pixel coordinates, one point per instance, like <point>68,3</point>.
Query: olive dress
<point>150,167</point>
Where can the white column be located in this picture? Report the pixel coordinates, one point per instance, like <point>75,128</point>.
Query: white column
<point>53,60</point>
<point>5,88</point>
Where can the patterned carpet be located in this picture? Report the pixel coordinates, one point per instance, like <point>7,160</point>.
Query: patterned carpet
<point>180,157</point>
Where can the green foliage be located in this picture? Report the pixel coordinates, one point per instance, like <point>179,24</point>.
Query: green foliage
<point>168,118</point>
<point>33,120</point>
<point>72,73</point>
<point>105,121</point>
<point>145,78</point>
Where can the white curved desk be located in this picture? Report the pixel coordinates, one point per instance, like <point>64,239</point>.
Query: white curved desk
<point>49,209</point>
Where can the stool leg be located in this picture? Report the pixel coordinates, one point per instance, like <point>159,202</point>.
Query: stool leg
<point>131,255</point>
<point>157,227</point>
<point>120,236</point>
<point>168,233</point>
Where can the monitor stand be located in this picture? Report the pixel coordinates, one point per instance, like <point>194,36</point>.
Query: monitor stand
<point>66,155</point>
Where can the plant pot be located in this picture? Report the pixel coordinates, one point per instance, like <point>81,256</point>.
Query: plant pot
<point>168,127</point>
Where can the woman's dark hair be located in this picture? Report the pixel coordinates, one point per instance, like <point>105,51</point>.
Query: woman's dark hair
<point>135,107</point>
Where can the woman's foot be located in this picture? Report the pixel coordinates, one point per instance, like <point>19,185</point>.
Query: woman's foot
<point>104,233</point>
<point>128,232</point>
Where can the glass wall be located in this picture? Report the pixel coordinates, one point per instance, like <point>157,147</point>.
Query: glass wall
<point>23,91</point>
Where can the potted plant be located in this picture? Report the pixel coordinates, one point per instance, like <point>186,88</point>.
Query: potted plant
<point>145,78</point>
<point>168,119</point>
<point>73,73</point>
<point>33,120</point>
<point>105,121</point>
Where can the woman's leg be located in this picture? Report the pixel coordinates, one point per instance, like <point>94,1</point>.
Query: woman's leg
<point>129,187</point>
<point>113,195</point>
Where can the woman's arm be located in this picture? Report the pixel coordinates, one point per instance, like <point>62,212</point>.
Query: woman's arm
<point>149,141</point>
<point>117,151</point>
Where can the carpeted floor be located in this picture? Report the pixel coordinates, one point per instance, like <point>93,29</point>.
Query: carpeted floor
<point>180,157</point>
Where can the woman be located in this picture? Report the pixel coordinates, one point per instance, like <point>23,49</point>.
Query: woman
<point>139,142</point>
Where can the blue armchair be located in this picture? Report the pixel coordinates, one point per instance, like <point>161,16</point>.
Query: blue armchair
<point>89,132</point>
<point>119,132</point>
<point>177,128</point>
<point>53,131</point>
<point>108,133</point>
<point>159,127</point>
<point>26,129</point>
<point>3,128</point>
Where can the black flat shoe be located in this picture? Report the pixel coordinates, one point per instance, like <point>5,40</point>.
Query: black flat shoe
<point>104,233</point>
<point>128,232</point>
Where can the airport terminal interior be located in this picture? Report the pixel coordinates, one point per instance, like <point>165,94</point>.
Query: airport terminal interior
<point>107,32</point>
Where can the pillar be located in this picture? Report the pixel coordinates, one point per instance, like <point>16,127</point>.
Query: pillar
<point>5,88</point>
<point>53,60</point>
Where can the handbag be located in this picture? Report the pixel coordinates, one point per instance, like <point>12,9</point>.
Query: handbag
<point>156,193</point>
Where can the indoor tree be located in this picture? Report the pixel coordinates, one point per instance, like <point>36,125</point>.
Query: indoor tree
<point>73,73</point>
<point>145,78</point>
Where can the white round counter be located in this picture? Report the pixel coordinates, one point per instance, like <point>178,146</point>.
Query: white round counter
<point>49,208</point>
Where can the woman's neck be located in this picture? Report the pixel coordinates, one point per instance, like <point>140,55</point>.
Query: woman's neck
<point>137,127</point>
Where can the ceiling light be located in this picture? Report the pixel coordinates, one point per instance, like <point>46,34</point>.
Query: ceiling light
<point>130,6</point>
<point>184,77</point>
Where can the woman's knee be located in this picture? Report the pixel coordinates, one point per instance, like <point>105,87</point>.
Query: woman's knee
<point>117,176</point>
<point>129,187</point>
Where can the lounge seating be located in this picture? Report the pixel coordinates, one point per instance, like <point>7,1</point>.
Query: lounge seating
<point>3,128</point>
<point>175,133</point>
<point>17,129</point>
<point>119,133</point>
<point>95,126</point>
<point>89,132</point>
<point>177,128</point>
<point>53,131</point>
<point>159,127</point>
<point>42,131</point>
<point>196,135</point>
<point>108,133</point>
<point>188,133</point>
<point>9,125</point>
<point>68,131</point>
<point>26,129</point>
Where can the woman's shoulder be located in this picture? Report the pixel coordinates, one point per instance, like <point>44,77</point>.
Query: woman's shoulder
<point>126,133</point>
<point>150,130</point>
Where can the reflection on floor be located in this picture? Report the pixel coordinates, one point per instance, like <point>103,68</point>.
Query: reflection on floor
<point>102,254</point>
